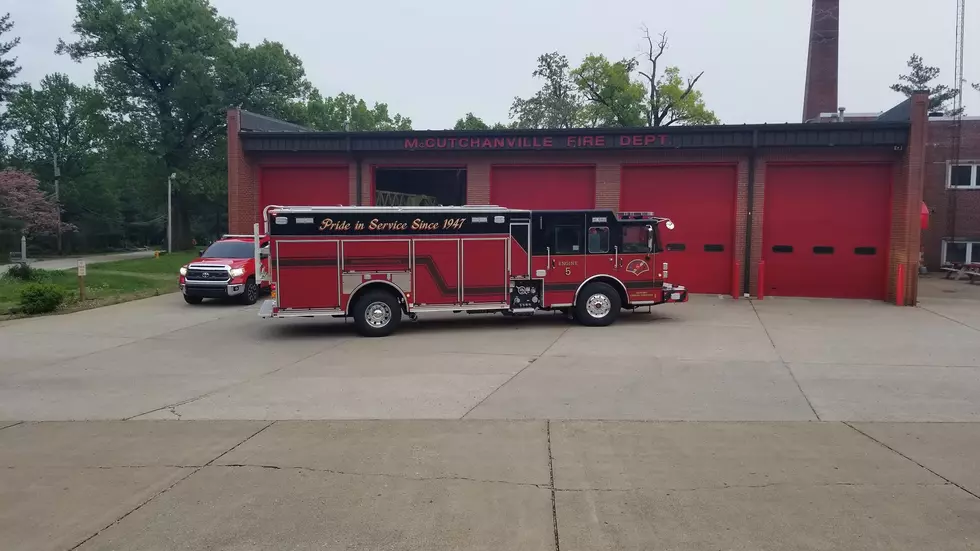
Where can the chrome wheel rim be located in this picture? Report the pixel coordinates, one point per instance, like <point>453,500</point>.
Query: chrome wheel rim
<point>598,306</point>
<point>377,314</point>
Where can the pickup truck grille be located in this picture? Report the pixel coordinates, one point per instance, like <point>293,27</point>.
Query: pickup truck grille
<point>207,274</point>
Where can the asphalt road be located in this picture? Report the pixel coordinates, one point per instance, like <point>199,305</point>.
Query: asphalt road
<point>719,424</point>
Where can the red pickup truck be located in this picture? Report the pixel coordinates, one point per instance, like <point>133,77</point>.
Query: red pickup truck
<point>226,270</point>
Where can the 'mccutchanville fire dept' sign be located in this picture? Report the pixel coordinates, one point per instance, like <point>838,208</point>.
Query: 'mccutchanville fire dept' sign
<point>624,141</point>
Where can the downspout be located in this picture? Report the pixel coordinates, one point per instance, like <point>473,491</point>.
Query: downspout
<point>747,264</point>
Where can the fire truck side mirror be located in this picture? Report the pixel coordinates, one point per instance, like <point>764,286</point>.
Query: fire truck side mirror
<point>649,238</point>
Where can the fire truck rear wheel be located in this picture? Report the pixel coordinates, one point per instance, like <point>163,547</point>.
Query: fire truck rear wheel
<point>598,305</point>
<point>377,314</point>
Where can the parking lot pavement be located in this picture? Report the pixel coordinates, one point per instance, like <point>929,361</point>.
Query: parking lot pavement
<point>103,485</point>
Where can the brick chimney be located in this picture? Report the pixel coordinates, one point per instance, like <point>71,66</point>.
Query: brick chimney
<point>822,60</point>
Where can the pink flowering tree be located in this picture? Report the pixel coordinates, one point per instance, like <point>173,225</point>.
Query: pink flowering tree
<point>22,200</point>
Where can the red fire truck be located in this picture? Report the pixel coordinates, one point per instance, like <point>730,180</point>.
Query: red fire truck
<point>377,264</point>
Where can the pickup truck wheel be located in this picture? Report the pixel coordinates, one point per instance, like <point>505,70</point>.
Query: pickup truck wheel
<point>251,293</point>
<point>597,305</point>
<point>377,314</point>
<point>193,300</point>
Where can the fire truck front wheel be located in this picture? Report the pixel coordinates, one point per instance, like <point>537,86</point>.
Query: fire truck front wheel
<point>598,305</point>
<point>377,314</point>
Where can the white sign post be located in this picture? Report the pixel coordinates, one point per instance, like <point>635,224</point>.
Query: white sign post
<point>81,279</point>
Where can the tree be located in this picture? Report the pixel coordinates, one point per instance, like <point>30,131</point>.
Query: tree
<point>472,122</point>
<point>345,112</point>
<point>557,104</point>
<point>616,99</point>
<point>920,78</point>
<point>59,118</point>
<point>22,200</point>
<point>670,99</point>
<point>8,65</point>
<point>171,68</point>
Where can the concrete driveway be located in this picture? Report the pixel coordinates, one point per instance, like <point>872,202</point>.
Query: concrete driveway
<point>713,359</point>
<point>808,424</point>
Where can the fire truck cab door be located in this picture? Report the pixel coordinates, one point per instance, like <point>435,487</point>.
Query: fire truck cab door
<point>559,254</point>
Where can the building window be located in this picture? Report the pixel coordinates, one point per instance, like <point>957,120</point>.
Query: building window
<point>961,252</point>
<point>963,175</point>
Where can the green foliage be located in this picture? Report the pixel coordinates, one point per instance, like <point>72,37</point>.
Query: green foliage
<point>616,100</point>
<point>344,112</point>
<point>171,68</point>
<point>24,272</point>
<point>472,122</point>
<point>8,65</point>
<point>40,298</point>
<point>558,104</point>
<point>920,78</point>
<point>601,93</point>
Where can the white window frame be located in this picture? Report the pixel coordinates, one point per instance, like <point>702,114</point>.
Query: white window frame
<point>970,259</point>
<point>974,174</point>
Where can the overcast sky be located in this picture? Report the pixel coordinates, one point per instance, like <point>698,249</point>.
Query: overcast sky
<point>434,60</point>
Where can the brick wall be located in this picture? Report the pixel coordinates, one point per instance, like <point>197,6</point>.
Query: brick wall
<point>965,203</point>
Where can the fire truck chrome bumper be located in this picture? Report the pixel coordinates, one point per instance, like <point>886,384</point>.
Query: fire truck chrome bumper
<point>675,294</point>
<point>267,309</point>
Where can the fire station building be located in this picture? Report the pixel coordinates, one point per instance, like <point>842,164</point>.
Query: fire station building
<point>807,210</point>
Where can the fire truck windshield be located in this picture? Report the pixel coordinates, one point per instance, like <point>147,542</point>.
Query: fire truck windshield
<point>229,249</point>
<point>635,238</point>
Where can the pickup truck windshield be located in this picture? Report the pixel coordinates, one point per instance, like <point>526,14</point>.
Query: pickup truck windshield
<point>229,249</point>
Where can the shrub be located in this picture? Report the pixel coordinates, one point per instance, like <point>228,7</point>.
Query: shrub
<point>39,298</point>
<point>23,272</point>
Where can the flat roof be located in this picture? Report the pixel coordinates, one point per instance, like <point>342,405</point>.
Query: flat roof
<point>264,135</point>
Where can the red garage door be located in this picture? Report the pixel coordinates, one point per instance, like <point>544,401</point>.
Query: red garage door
<point>826,230</point>
<point>701,202</point>
<point>306,185</point>
<point>543,187</point>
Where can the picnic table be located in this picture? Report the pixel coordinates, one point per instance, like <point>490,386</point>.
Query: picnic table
<point>957,271</point>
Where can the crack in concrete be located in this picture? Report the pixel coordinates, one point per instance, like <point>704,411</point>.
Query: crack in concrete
<point>383,475</point>
<point>748,486</point>
<point>786,365</point>
<point>551,472</point>
<point>900,454</point>
<point>168,488</point>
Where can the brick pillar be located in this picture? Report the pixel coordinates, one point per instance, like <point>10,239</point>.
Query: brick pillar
<point>607,185</point>
<point>906,233</point>
<point>820,94</point>
<point>478,182</point>
<point>242,188</point>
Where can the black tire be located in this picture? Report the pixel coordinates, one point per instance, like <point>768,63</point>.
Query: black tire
<point>602,296</point>
<point>193,300</point>
<point>377,313</point>
<point>251,293</point>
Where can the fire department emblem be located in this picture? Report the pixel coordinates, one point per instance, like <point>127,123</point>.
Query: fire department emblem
<point>637,267</point>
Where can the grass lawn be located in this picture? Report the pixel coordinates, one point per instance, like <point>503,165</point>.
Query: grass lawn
<point>107,282</point>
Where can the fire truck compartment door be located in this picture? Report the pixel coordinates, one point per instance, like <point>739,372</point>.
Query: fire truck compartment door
<point>484,263</point>
<point>559,250</point>
<point>307,274</point>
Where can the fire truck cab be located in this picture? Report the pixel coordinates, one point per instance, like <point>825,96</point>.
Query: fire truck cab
<point>377,264</point>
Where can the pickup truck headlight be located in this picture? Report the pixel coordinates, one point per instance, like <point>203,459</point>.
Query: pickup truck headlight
<point>237,272</point>
<point>183,270</point>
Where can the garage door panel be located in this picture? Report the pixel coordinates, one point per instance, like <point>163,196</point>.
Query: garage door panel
<point>309,185</point>
<point>543,187</point>
<point>701,202</point>
<point>826,230</point>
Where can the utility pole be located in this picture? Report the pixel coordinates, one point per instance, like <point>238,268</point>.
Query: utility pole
<point>170,194</point>
<point>57,194</point>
